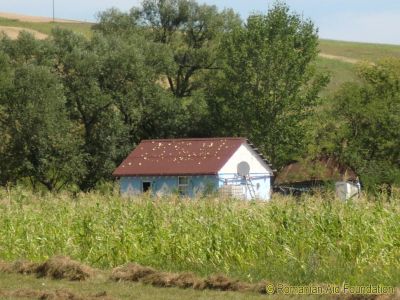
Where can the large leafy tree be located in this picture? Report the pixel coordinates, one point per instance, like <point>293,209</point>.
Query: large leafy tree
<point>190,31</point>
<point>5,137</point>
<point>113,96</point>
<point>41,144</point>
<point>80,65</point>
<point>365,127</point>
<point>183,37</point>
<point>269,85</point>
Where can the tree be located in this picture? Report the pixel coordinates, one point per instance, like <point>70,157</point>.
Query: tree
<point>366,124</point>
<point>42,145</point>
<point>183,37</point>
<point>5,137</point>
<point>191,32</point>
<point>113,97</point>
<point>113,21</point>
<point>268,86</point>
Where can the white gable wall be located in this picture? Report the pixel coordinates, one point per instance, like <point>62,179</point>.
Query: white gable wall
<point>246,153</point>
<point>260,173</point>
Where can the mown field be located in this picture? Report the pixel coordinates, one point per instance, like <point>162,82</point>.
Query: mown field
<point>312,240</point>
<point>14,286</point>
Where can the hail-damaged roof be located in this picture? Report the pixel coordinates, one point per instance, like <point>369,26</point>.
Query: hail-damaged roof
<point>179,157</point>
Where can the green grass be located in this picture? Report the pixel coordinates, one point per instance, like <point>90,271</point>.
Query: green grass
<point>339,71</point>
<point>46,27</point>
<point>360,51</point>
<point>120,290</point>
<point>315,240</point>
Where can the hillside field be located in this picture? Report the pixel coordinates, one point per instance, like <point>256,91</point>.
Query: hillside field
<point>359,51</point>
<point>45,27</point>
<point>345,55</point>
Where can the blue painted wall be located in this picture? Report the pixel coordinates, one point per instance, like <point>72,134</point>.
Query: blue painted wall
<point>197,185</point>
<point>163,185</point>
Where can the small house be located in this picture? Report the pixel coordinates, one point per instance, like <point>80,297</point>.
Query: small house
<point>196,166</point>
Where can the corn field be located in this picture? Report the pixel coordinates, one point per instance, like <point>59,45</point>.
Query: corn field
<point>314,239</point>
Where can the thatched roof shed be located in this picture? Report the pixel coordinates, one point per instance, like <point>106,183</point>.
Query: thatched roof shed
<point>318,170</point>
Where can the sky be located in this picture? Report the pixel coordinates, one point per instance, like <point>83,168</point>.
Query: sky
<point>375,21</point>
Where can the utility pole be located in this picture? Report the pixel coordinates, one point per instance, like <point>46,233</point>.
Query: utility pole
<point>53,13</point>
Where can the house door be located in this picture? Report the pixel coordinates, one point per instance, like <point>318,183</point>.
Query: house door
<point>146,186</point>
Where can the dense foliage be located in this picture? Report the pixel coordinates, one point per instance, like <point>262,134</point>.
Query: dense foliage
<point>268,85</point>
<point>72,107</point>
<point>363,126</point>
<point>315,240</point>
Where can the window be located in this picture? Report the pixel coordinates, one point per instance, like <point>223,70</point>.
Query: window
<point>183,185</point>
<point>146,186</point>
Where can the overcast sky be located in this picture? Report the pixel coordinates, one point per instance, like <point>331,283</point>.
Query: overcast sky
<point>376,21</point>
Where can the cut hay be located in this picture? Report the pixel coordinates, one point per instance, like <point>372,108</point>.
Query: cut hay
<point>179,280</point>
<point>58,267</point>
<point>61,267</point>
<point>51,295</point>
<point>4,267</point>
<point>42,295</point>
<point>223,283</point>
<point>19,267</point>
<point>188,280</point>
<point>149,276</point>
<point>131,272</point>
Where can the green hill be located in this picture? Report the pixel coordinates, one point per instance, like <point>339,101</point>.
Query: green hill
<point>359,51</point>
<point>46,27</point>
<point>340,72</point>
<point>338,58</point>
<point>344,57</point>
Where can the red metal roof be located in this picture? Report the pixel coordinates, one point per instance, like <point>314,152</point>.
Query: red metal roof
<point>179,157</point>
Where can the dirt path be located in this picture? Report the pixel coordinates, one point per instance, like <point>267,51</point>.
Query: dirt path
<point>13,32</point>
<point>341,58</point>
<point>34,19</point>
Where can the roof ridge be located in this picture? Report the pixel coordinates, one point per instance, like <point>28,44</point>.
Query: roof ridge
<point>196,139</point>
